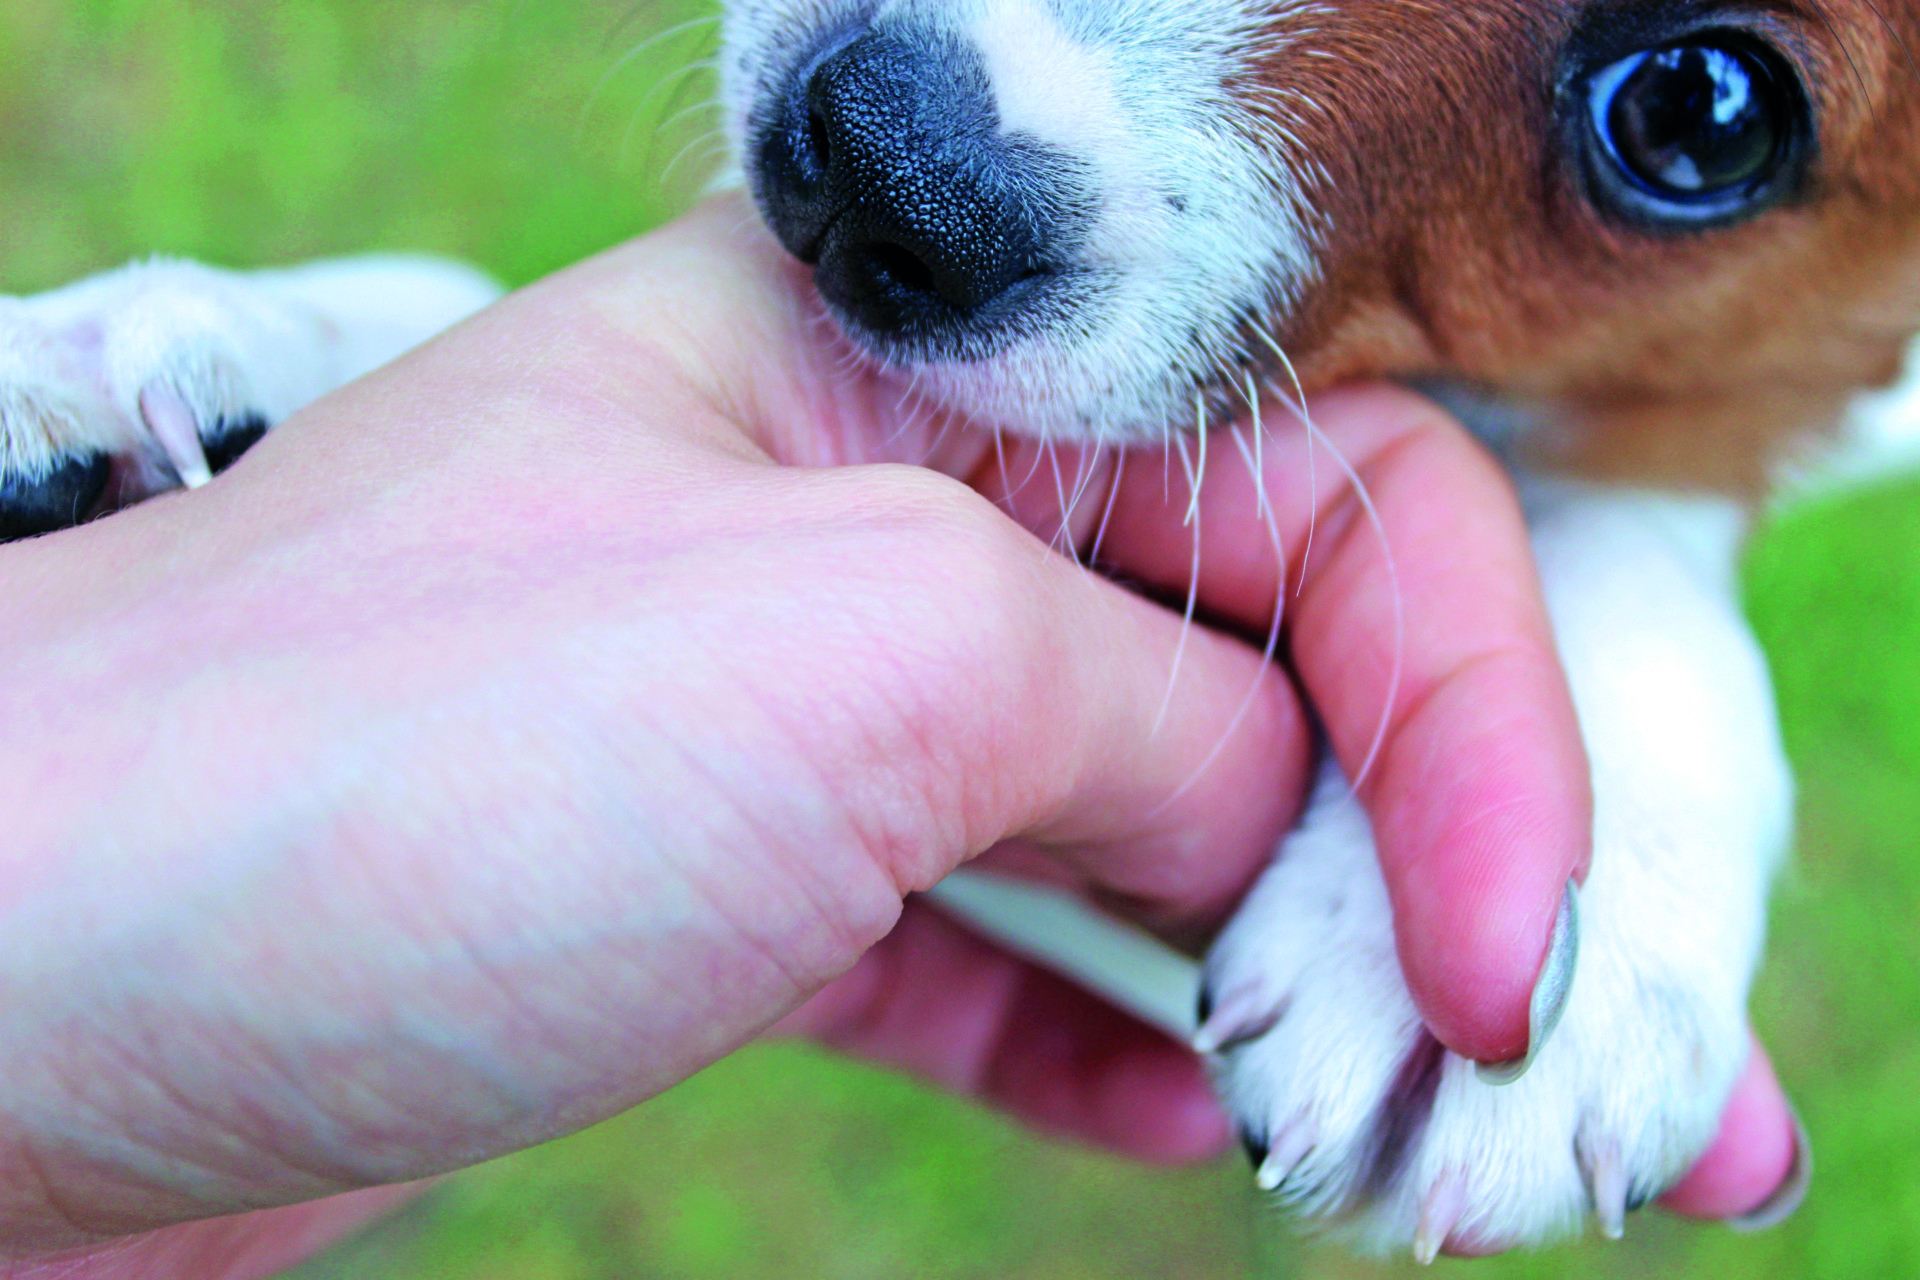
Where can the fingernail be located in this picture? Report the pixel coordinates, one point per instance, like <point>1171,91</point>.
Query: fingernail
<point>1550,992</point>
<point>1792,1191</point>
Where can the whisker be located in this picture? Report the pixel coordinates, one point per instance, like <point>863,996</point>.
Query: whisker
<point>1260,456</point>
<point>906,420</point>
<point>946,423</point>
<point>1193,583</point>
<point>1033,470</point>
<point>712,19</point>
<point>1256,460</point>
<point>712,142</point>
<point>1059,490</point>
<point>1299,407</point>
<point>678,80</point>
<point>1106,514</point>
<point>913,385</point>
<point>1897,38</point>
<point>1200,433</point>
<point>628,58</point>
<point>1365,498</point>
<point>1090,463</point>
<point>1268,652</point>
<point>708,105</point>
<point>1826,20</point>
<point>1000,454</point>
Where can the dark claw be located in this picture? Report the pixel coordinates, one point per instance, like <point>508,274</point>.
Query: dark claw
<point>1255,1147</point>
<point>232,437</point>
<point>1204,1009</point>
<point>60,499</point>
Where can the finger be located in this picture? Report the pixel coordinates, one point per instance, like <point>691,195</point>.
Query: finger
<point>1756,1173</point>
<point>935,1000</point>
<point>250,1246</point>
<point>1419,633</point>
<point>870,676</point>
<point>1165,755</point>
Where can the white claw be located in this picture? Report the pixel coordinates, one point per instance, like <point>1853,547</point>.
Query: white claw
<point>173,425</point>
<point>1606,1175</point>
<point>1440,1213</point>
<point>1291,1146</point>
<point>1245,1014</point>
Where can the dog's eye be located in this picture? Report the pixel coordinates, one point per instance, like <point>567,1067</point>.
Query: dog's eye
<point>1698,132</point>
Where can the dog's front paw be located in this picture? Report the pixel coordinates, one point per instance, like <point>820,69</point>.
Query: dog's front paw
<point>1359,1121</point>
<point>143,380</point>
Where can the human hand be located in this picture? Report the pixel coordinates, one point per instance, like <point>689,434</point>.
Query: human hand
<point>511,735</point>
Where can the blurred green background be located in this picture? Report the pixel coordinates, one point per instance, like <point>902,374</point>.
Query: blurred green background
<point>524,134</point>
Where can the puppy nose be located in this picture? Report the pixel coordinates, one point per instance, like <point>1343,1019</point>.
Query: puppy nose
<point>885,166</point>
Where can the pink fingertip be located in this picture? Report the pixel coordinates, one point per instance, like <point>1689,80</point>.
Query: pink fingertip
<point>1756,1165</point>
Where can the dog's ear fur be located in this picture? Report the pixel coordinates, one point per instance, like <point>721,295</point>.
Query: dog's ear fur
<point>1459,242</point>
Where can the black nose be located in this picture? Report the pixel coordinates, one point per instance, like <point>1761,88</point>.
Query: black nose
<point>883,163</point>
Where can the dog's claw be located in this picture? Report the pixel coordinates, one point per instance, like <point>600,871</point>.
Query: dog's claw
<point>1440,1213</point>
<point>1606,1176</point>
<point>1245,1014</point>
<point>1290,1146</point>
<point>173,425</point>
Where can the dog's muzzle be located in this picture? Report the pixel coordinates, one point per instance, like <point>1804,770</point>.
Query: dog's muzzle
<point>935,235</point>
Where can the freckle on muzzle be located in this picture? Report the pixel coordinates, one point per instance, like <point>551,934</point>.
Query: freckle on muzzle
<point>882,163</point>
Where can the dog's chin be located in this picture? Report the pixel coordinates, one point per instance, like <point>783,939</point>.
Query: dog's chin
<point>1046,386</point>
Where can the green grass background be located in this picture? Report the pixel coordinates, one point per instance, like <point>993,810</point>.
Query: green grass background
<point>522,135</point>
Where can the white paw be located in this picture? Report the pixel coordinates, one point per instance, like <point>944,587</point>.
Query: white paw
<point>1361,1121</point>
<point>162,374</point>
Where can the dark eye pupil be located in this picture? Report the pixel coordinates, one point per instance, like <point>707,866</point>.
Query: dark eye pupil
<point>1696,120</point>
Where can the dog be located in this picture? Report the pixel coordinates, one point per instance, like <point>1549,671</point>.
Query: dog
<point>1647,244</point>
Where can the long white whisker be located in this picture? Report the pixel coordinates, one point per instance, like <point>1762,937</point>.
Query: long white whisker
<point>1106,514</point>
<point>628,58</point>
<point>946,423</point>
<point>1090,463</point>
<point>1298,404</point>
<point>1000,453</point>
<point>1033,470</point>
<point>912,385</point>
<point>679,80</point>
<point>1059,490</point>
<point>1365,498</point>
<point>1260,459</point>
<point>713,143</point>
<point>709,104</point>
<point>712,19</point>
<point>1193,585</point>
<point>1200,431</point>
<point>1268,651</point>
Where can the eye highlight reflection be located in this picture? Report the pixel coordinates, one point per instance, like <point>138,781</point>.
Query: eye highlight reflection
<point>1701,131</point>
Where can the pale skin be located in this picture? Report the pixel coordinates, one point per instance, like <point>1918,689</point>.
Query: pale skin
<point>512,734</point>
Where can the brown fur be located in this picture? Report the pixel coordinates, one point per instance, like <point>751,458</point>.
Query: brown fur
<point>1459,240</point>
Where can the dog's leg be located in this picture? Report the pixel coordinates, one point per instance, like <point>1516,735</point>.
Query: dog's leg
<point>162,373</point>
<point>1358,1119</point>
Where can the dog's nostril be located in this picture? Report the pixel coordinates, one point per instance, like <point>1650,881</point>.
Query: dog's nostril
<point>819,145</point>
<point>884,166</point>
<point>893,266</point>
